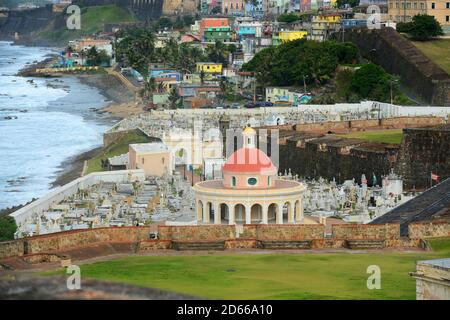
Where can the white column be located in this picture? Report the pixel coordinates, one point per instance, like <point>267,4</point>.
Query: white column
<point>217,216</point>
<point>291,218</point>
<point>265,218</point>
<point>279,216</point>
<point>205,213</point>
<point>248,214</point>
<point>231,215</point>
<point>199,212</point>
<point>299,212</point>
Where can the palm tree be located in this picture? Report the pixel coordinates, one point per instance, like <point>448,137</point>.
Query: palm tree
<point>149,88</point>
<point>217,53</point>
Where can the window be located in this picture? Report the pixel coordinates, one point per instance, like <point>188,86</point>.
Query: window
<point>142,160</point>
<point>433,5</point>
<point>252,181</point>
<point>447,18</point>
<point>163,159</point>
<point>233,181</point>
<point>447,6</point>
<point>269,181</point>
<point>415,5</point>
<point>422,6</point>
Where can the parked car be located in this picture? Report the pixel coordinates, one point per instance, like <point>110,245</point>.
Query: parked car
<point>250,105</point>
<point>268,104</point>
<point>235,105</point>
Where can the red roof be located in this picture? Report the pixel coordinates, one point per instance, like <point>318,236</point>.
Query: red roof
<point>251,160</point>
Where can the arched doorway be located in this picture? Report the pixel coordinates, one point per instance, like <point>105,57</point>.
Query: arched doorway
<point>287,213</point>
<point>209,211</point>
<point>297,213</point>
<point>272,213</point>
<point>224,212</point>
<point>239,213</point>
<point>256,213</point>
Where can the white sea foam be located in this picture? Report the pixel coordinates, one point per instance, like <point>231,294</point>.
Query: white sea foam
<point>50,122</point>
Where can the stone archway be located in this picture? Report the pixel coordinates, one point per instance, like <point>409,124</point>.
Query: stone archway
<point>239,213</point>
<point>224,212</point>
<point>272,213</point>
<point>209,212</point>
<point>287,212</point>
<point>256,213</point>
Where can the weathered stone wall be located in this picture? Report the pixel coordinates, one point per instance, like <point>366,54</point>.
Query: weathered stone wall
<point>11,249</point>
<point>423,230</point>
<point>174,7</point>
<point>399,56</point>
<point>362,125</point>
<point>311,162</point>
<point>284,232</point>
<point>422,151</point>
<point>80,238</point>
<point>366,231</point>
<point>197,233</point>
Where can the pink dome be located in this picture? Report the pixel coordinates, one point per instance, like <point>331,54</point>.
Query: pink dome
<point>249,160</point>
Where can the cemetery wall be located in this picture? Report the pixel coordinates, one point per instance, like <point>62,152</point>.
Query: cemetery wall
<point>363,125</point>
<point>78,239</point>
<point>11,249</point>
<point>284,231</point>
<point>366,231</point>
<point>197,233</point>
<point>424,230</point>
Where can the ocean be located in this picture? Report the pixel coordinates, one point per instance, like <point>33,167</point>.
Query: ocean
<point>43,123</point>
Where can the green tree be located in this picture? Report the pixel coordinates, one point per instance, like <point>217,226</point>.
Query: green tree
<point>218,52</point>
<point>137,49</point>
<point>7,228</point>
<point>372,82</point>
<point>149,87</point>
<point>174,99</point>
<point>422,27</point>
<point>288,17</point>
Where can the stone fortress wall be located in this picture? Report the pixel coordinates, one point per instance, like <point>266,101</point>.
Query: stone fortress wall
<point>397,55</point>
<point>312,153</point>
<point>248,238</point>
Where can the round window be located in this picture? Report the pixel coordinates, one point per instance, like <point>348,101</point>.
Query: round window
<point>252,181</point>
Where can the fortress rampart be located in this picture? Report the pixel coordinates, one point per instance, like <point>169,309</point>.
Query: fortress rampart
<point>249,236</point>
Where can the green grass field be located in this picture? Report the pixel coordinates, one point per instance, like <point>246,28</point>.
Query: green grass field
<point>117,148</point>
<point>436,50</point>
<point>271,276</point>
<point>92,21</point>
<point>387,136</point>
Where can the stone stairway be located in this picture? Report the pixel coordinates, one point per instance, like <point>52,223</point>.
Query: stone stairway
<point>198,245</point>
<point>284,244</point>
<point>365,244</point>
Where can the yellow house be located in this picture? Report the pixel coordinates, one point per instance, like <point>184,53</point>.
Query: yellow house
<point>209,67</point>
<point>286,36</point>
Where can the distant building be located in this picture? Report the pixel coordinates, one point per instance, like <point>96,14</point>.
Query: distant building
<point>154,158</point>
<point>233,7</point>
<point>288,35</point>
<point>403,11</point>
<point>432,279</point>
<point>209,67</point>
<point>214,25</point>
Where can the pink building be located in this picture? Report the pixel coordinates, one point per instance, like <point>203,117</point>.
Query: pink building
<point>250,191</point>
<point>233,7</point>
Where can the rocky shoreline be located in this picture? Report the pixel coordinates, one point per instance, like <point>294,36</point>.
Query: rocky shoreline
<point>120,106</point>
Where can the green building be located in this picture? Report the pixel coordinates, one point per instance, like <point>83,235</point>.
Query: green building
<point>214,34</point>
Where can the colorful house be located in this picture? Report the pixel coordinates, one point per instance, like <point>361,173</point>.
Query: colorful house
<point>288,35</point>
<point>213,34</point>
<point>209,67</point>
<point>218,24</point>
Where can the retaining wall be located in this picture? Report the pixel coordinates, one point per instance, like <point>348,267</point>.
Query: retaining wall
<point>423,230</point>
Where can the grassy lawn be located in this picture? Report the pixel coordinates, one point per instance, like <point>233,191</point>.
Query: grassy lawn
<point>271,276</point>
<point>436,50</point>
<point>387,136</point>
<point>117,148</point>
<point>92,21</point>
